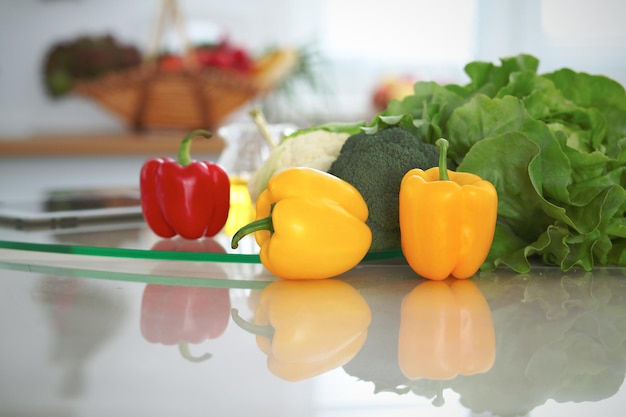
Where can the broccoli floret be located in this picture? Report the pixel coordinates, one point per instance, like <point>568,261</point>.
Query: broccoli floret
<point>375,163</point>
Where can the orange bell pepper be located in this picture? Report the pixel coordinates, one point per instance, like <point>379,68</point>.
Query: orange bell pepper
<point>308,327</point>
<point>446,329</point>
<point>309,225</point>
<point>447,220</point>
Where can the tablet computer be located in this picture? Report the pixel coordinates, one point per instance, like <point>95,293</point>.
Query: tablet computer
<point>72,208</point>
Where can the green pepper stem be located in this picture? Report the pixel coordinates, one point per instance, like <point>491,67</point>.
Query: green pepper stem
<point>184,150</point>
<point>259,330</point>
<point>255,226</point>
<point>442,144</point>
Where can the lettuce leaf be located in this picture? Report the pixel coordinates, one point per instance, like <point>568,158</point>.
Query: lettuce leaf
<point>553,145</point>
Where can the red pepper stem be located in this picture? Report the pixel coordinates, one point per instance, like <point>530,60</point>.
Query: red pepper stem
<point>183,348</point>
<point>259,330</point>
<point>255,226</point>
<point>442,144</point>
<point>184,150</point>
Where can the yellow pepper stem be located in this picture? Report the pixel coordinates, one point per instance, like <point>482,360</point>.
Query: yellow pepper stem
<point>265,331</point>
<point>255,226</point>
<point>442,144</point>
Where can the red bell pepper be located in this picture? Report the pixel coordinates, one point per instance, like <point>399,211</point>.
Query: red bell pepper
<point>179,315</point>
<point>184,197</point>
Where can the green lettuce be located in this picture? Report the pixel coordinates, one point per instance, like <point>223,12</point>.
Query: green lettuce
<point>553,145</point>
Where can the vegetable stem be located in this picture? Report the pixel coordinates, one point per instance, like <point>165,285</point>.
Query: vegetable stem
<point>184,150</point>
<point>259,119</point>
<point>255,226</point>
<point>442,144</point>
<point>265,331</point>
<point>183,348</point>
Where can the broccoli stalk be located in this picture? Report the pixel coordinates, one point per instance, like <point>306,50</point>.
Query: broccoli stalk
<point>375,163</point>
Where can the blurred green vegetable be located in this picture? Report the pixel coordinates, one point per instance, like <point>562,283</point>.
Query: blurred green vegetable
<point>85,58</point>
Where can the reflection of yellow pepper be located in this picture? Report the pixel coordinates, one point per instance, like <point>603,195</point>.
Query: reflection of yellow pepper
<point>447,220</point>
<point>446,329</point>
<point>308,327</point>
<point>310,225</point>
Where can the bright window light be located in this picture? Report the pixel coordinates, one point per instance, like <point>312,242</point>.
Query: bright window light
<point>406,30</point>
<point>584,22</point>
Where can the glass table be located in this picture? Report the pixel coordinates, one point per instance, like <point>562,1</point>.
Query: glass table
<point>111,320</point>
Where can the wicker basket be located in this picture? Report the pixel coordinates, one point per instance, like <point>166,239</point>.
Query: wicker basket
<point>146,97</point>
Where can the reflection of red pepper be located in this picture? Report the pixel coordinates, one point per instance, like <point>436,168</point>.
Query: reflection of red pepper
<point>177,315</point>
<point>179,244</point>
<point>185,197</point>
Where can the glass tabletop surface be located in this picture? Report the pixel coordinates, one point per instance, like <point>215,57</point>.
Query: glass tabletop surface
<point>112,320</point>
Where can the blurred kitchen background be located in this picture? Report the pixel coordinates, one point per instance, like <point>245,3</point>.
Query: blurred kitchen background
<point>352,46</point>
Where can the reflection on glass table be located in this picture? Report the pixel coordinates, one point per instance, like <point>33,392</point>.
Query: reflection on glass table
<point>183,315</point>
<point>121,240</point>
<point>307,327</point>
<point>113,313</point>
<point>558,337</point>
<point>377,341</point>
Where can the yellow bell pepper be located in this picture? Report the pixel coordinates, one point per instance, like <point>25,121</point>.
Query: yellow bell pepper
<point>447,220</point>
<point>446,330</point>
<point>308,327</point>
<point>309,225</point>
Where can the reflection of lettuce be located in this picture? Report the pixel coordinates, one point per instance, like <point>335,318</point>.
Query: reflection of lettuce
<point>554,145</point>
<point>558,337</point>
<point>377,361</point>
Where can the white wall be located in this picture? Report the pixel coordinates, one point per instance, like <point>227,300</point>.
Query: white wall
<point>581,34</point>
<point>585,35</point>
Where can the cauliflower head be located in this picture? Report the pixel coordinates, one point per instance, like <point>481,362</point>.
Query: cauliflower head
<point>316,147</point>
